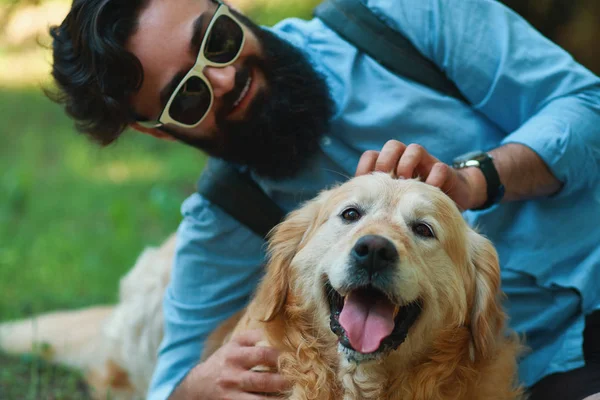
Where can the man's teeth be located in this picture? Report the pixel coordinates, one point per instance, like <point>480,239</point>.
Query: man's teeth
<point>244,93</point>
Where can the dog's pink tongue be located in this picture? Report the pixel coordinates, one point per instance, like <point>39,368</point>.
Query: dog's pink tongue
<point>368,318</point>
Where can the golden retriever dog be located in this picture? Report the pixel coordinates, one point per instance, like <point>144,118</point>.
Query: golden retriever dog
<point>376,289</point>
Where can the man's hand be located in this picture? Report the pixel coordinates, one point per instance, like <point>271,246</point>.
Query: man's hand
<point>228,374</point>
<point>467,187</point>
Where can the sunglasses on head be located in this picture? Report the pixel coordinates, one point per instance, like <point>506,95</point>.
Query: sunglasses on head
<point>193,97</point>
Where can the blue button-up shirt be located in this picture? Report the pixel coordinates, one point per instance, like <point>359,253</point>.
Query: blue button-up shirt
<point>521,89</point>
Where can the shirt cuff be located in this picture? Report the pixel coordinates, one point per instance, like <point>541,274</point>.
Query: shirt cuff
<point>553,141</point>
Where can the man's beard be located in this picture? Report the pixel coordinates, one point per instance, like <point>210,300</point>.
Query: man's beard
<point>283,124</point>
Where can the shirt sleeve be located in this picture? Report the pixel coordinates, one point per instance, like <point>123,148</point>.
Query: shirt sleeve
<point>520,80</point>
<point>216,268</point>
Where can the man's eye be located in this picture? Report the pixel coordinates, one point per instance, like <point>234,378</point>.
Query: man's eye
<point>351,215</point>
<point>423,230</point>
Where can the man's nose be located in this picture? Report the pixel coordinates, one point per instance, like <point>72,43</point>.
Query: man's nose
<point>221,79</point>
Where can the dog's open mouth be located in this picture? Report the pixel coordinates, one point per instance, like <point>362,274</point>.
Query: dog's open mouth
<point>368,323</point>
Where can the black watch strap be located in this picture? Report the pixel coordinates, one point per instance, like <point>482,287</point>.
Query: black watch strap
<point>483,161</point>
<point>495,188</point>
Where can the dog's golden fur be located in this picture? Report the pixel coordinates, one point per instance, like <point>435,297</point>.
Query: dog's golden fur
<point>457,349</point>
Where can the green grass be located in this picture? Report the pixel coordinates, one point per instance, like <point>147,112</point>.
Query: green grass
<point>74,217</point>
<point>31,378</point>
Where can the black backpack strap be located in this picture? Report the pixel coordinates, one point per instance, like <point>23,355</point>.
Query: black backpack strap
<point>239,196</point>
<point>357,24</point>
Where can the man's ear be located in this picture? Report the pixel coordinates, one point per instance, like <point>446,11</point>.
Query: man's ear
<point>157,133</point>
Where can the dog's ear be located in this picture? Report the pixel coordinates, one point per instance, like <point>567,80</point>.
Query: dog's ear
<point>284,242</point>
<point>487,316</point>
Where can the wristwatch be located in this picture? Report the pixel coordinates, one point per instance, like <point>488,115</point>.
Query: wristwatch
<point>483,161</point>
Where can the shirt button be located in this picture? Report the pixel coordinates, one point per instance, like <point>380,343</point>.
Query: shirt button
<point>325,141</point>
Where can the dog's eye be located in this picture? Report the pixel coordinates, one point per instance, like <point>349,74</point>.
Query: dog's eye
<point>351,215</point>
<point>423,230</point>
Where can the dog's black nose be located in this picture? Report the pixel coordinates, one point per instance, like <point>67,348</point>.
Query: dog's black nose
<point>374,253</point>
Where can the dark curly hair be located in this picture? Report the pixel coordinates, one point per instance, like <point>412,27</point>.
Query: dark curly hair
<point>94,72</point>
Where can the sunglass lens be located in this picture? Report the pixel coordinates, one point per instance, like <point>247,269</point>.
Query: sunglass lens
<point>191,102</point>
<point>225,40</point>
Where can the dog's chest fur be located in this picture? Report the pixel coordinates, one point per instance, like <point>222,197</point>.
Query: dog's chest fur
<point>359,383</point>
<point>377,382</point>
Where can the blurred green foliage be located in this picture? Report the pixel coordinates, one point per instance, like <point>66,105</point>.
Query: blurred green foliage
<point>74,216</point>
<point>271,12</point>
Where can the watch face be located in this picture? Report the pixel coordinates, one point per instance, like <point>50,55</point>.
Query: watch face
<point>473,155</point>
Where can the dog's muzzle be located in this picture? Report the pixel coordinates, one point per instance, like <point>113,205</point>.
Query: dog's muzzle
<point>367,320</point>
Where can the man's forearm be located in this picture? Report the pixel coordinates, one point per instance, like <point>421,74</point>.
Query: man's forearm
<point>184,391</point>
<point>524,174</point>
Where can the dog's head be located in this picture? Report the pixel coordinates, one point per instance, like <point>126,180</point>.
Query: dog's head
<point>378,262</point>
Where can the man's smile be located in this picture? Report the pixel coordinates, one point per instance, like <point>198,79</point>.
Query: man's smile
<point>244,92</point>
<point>247,89</point>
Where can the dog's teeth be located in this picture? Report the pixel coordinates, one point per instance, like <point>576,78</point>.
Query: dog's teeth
<point>396,310</point>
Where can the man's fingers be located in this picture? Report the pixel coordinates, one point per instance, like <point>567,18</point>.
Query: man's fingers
<point>367,162</point>
<point>416,161</point>
<point>439,175</point>
<point>403,161</point>
<point>249,338</point>
<point>263,382</point>
<point>411,159</point>
<point>250,357</point>
<point>389,156</point>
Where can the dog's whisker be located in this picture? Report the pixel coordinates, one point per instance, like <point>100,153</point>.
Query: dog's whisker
<point>337,172</point>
